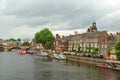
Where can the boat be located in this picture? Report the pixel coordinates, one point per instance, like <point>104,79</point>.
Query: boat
<point>30,52</point>
<point>59,56</point>
<point>103,65</point>
<point>21,52</point>
<point>108,66</point>
<point>62,56</point>
<point>43,54</point>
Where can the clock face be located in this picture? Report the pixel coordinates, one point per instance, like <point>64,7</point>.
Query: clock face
<point>94,24</point>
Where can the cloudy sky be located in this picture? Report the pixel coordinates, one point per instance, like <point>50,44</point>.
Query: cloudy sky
<point>23,18</point>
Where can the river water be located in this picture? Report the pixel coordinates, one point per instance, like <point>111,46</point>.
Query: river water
<point>31,67</point>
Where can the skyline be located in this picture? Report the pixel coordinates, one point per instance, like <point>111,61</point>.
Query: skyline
<point>22,19</point>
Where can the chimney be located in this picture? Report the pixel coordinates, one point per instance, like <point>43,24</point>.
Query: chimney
<point>62,36</point>
<point>91,29</point>
<point>75,32</point>
<point>88,30</point>
<point>111,34</point>
<point>57,36</point>
<point>117,33</point>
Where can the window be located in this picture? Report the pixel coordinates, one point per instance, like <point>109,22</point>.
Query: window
<point>105,45</point>
<point>80,45</point>
<point>96,45</point>
<point>84,44</point>
<point>56,42</point>
<point>102,46</point>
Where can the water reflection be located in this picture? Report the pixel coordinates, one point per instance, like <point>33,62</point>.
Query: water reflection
<point>62,70</point>
<point>31,67</point>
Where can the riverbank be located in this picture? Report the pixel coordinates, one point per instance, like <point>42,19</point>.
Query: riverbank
<point>93,61</point>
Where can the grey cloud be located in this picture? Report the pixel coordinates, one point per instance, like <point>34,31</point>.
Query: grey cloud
<point>60,14</point>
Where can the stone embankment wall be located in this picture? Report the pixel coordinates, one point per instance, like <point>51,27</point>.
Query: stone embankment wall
<point>92,60</point>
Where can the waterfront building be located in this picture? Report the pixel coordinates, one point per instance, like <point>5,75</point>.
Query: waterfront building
<point>92,38</point>
<point>112,40</point>
<point>11,43</point>
<point>57,42</point>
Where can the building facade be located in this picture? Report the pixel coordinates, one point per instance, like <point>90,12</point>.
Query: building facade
<point>92,38</point>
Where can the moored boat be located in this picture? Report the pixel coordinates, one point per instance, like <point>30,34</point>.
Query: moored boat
<point>59,56</point>
<point>21,52</point>
<point>43,54</point>
<point>108,66</point>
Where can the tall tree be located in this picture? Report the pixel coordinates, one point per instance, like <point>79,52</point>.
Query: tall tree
<point>11,39</point>
<point>45,37</point>
<point>25,44</point>
<point>18,39</point>
<point>117,48</point>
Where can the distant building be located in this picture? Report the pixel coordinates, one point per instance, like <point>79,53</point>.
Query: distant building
<point>11,43</point>
<point>112,38</point>
<point>1,42</point>
<point>32,43</point>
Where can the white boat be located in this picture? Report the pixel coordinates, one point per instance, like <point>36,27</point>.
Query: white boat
<point>43,54</point>
<point>62,56</point>
<point>59,56</point>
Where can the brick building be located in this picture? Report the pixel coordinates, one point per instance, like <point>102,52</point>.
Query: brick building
<point>57,42</point>
<point>96,39</point>
<point>61,43</point>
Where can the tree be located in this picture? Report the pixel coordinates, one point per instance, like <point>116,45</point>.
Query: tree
<point>18,39</point>
<point>45,37</point>
<point>79,47</point>
<point>73,47</point>
<point>95,51</point>
<point>11,39</point>
<point>117,49</point>
<point>109,52</point>
<point>25,44</point>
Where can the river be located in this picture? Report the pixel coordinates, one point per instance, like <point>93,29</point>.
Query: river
<point>31,67</point>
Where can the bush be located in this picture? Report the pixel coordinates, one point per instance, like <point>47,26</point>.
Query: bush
<point>118,54</point>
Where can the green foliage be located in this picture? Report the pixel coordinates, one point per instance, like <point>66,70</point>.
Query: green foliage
<point>25,44</point>
<point>118,54</point>
<point>48,45</point>
<point>109,52</point>
<point>117,45</point>
<point>11,39</point>
<point>73,48</point>
<point>117,49</point>
<point>45,37</point>
<point>18,39</point>
<point>95,51</point>
<point>89,48</point>
<point>79,47</point>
